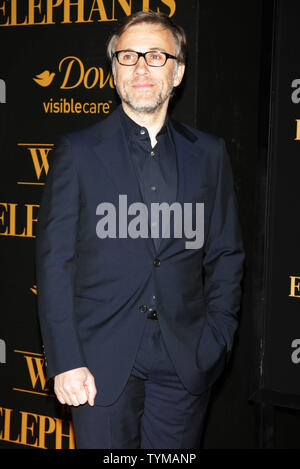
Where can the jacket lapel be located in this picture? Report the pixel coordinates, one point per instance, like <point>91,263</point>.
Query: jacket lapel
<point>185,151</point>
<point>112,152</point>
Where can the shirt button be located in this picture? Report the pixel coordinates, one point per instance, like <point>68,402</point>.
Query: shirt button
<point>142,132</point>
<point>156,262</point>
<point>152,314</point>
<point>153,188</point>
<point>143,308</point>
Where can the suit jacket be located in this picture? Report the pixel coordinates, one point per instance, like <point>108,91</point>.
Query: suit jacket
<point>92,292</point>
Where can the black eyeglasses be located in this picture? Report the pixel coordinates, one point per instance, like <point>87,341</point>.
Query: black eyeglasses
<point>152,58</point>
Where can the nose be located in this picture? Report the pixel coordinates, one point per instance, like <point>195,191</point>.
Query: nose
<point>141,65</point>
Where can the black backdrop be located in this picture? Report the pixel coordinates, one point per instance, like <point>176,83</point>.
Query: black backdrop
<point>225,92</point>
<point>57,79</point>
<point>278,355</point>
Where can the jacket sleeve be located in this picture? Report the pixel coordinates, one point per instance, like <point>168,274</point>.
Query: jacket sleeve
<point>223,257</point>
<point>55,253</point>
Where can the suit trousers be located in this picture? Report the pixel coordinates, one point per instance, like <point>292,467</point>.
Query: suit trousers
<point>154,411</point>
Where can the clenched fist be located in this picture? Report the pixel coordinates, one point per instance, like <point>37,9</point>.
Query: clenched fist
<point>75,387</point>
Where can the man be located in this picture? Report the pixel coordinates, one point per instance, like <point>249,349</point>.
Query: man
<point>137,324</point>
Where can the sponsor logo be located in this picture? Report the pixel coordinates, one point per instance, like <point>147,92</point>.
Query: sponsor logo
<point>36,430</point>
<point>71,74</point>
<point>49,12</point>
<point>36,372</point>
<point>294,286</point>
<point>38,153</point>
<point>45,78</point>
<point>18,220</point>
<point>29,428</point>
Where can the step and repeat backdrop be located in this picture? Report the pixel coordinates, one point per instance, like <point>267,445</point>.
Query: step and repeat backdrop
<point>278,323</point>
<point>54,78</point>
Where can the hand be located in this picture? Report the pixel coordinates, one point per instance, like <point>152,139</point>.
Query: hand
<point>75,387</point>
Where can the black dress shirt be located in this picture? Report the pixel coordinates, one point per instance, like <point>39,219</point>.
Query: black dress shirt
<point>155,168</point>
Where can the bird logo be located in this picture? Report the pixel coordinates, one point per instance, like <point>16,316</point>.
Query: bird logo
<point>44,79</point>
<point>34,289</point>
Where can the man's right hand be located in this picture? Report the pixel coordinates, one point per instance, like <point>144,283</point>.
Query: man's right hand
<point>75,387</point>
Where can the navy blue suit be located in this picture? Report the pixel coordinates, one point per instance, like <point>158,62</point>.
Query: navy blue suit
<point>92,292</point>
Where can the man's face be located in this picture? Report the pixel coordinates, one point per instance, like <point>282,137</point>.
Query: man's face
<point>144,88</point>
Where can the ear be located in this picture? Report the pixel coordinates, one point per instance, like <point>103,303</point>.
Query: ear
<point>113,71</point>
<point>179,74</point>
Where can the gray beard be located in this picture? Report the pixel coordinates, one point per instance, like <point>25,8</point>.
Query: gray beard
<point>146,109</point>
<point>151,108</point>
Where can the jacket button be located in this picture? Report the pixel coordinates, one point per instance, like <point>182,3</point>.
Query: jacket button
<point>156,262</point>
<point>143,308</point>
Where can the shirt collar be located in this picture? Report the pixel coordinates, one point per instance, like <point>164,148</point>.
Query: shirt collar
<point>132,129</point>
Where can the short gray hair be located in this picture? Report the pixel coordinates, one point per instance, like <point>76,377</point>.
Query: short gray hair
<point>149,17</point>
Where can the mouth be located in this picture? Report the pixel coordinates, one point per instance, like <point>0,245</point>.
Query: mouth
<point>142,85</point>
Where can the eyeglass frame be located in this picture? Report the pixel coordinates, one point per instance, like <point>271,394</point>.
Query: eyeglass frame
<point>143,54</point>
